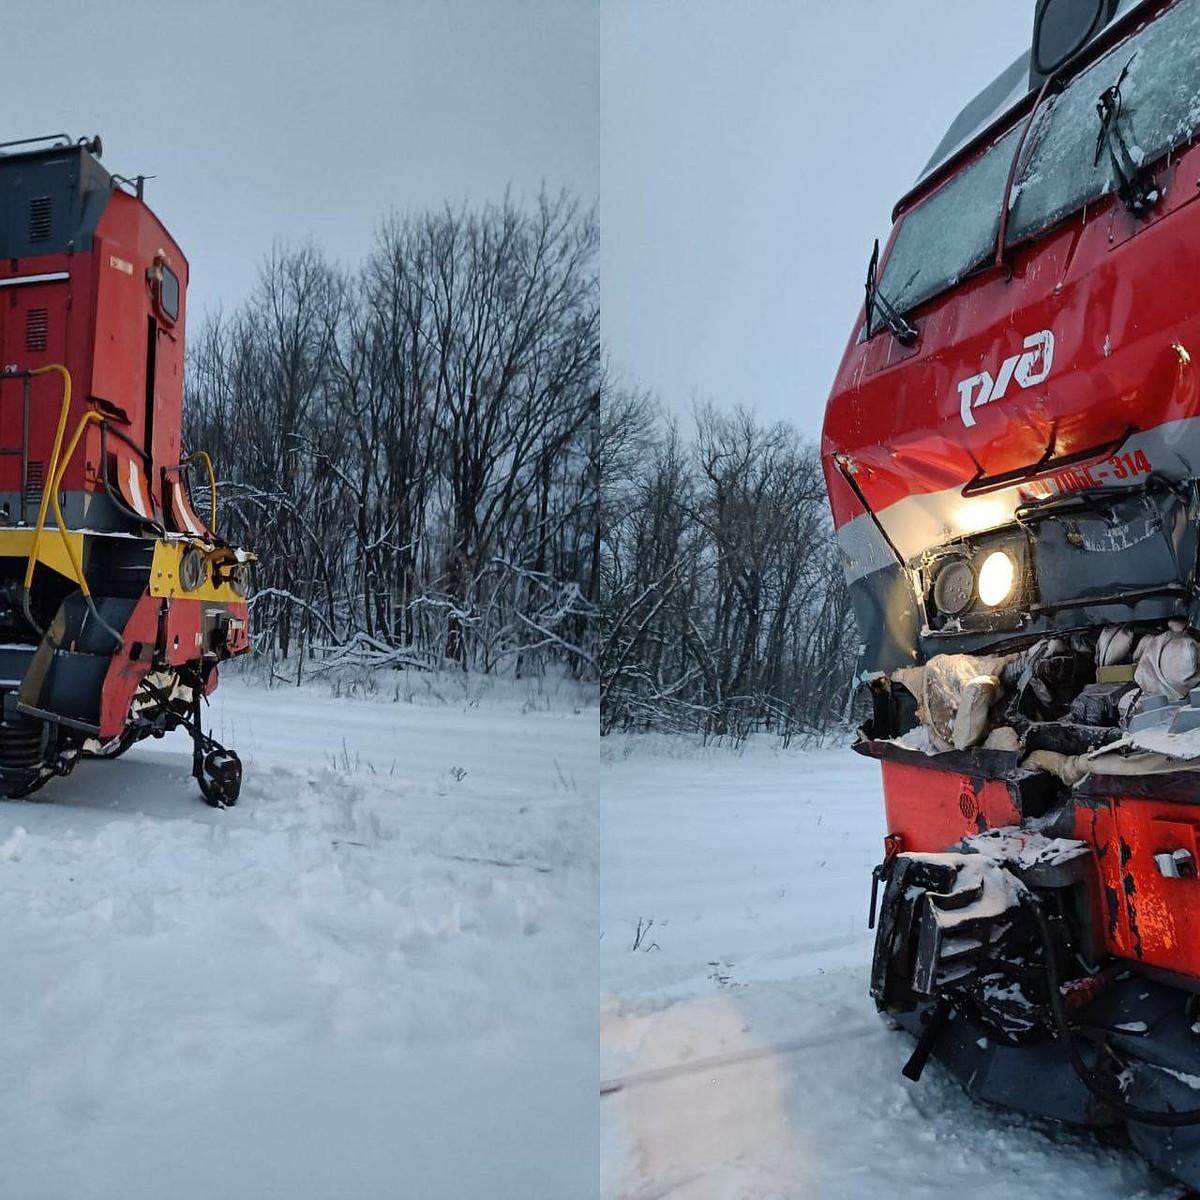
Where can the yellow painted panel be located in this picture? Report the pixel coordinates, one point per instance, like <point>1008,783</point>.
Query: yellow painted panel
<point>164,571</point>
<point>164,574</point>
<point>18,543</point>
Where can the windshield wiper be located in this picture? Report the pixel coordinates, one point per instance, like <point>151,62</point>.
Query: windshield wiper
<point>1135,188</point>
<point>899,328</point>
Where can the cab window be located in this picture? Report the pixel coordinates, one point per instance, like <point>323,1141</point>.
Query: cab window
<point>1060,170</point>
<point>952,232</point>
<point>168,294</point>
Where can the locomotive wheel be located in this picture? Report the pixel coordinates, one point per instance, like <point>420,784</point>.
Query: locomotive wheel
<point>27,789</point>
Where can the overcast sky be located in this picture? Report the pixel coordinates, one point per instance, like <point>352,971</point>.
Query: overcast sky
<point>300,119</point>
<point>751,151</point>
<point>745,151</point>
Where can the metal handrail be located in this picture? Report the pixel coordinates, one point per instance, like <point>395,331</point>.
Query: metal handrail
<point>58,139</point>
<point>40,524</point>
<point>57,469</point>
<point>202,456</point>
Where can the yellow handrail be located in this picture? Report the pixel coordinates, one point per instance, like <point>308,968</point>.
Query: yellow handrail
<point>51,473</point>
<point>84,421</point>
<point>202,455</point>
<point>57,469</point>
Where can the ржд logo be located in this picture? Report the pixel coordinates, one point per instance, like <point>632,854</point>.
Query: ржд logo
<point>1028,368</point>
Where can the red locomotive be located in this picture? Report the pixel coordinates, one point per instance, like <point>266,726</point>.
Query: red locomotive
<point>117,601</point>
<point>1012,451</point>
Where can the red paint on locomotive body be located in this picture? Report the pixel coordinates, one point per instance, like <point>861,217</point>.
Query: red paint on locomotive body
<point>1148,918</point>
<point>932,809</point>
<point>1115,290</point>
<point>100,319</point>
<point>1119,295</point>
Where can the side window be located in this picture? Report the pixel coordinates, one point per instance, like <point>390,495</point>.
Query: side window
<point>168,293</point>
<point>1160,109</point>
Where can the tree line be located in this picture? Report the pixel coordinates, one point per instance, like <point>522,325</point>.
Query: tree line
<point>723,605</point>
<point>411,448</point>
<point>425,458</point>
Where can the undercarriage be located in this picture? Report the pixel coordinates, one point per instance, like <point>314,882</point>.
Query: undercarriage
<point>1037,911</point>
<point>33,751</point>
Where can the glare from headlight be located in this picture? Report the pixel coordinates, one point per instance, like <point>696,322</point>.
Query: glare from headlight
<point>997,578</point>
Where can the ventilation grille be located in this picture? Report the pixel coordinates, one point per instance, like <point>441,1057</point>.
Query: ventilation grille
<point>37,325</point>
<point>39,218</point>
<point>35,478</point>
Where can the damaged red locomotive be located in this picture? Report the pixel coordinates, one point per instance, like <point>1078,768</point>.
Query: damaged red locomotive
<point>1012,451</point>
<point>117,601</point>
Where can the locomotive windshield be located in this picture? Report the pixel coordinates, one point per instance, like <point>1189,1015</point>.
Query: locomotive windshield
<point>951,233</point>
<point>1159,110</point>
<point>954,230</point>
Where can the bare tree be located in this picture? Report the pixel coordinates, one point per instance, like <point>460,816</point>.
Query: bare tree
<point>723,606</point>
<point>413,445</point>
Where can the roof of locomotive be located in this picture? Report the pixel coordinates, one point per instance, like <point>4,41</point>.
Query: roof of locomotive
<point>51,197</point>
<point>53,193</point>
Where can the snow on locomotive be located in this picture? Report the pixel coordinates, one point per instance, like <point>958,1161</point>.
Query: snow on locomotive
<point>117,601</point>
<point>1012,451</point>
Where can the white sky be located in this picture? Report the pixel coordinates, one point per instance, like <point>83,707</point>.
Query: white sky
<point>745,151</point>
<point>292,119</point>
<point>751,151</point>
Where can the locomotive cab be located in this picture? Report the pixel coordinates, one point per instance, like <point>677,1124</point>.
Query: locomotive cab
<point>1012,452</point>
<point>117,600</point>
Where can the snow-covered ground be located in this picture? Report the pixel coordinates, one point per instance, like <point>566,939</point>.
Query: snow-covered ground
<point>376,977</point>
<point>741,1057</point>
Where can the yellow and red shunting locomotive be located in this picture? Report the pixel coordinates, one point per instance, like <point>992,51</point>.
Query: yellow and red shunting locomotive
<point>117,601</point>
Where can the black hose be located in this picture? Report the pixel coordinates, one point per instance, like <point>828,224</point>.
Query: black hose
<point>1090,1080</point>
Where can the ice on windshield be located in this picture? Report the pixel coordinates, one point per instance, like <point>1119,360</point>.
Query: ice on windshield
<point>1160,109</point>
<point>952,232</point>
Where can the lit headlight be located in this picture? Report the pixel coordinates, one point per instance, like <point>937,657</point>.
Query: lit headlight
<point>997,578</point>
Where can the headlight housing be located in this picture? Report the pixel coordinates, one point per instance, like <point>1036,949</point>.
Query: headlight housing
<point>193,569</point>
<point>978,584</point>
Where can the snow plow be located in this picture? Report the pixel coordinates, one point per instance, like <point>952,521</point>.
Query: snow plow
<point>117,602</point>
<point>1012,452</point>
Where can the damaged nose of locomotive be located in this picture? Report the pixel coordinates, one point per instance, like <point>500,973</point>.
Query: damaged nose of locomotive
<point>1017,497</point>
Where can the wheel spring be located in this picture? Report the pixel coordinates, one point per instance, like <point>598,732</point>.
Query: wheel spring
<point>20,750</point>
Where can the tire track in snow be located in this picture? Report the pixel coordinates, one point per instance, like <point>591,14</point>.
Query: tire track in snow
<point>621,1082</point>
